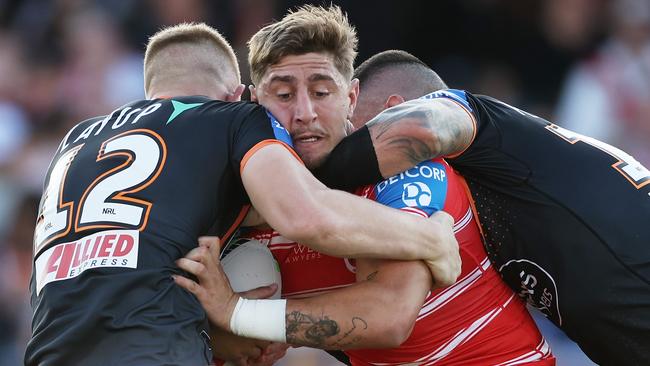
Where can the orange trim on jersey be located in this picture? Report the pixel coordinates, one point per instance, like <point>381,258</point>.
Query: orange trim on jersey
<point>236,223</point>
<point>120,196</point>
<point>553,129</point>
<point>69,206</point>
<point>472,204</point>
<point>260,145</point>
<point>474,122</point>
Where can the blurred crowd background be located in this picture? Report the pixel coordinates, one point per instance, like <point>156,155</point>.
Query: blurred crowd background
<point>584,64</point>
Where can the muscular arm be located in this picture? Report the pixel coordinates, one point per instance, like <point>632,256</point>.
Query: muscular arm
<point>379,311</point>
<point>397,139</point>
<point>338,223</point>
<point>418,130</point>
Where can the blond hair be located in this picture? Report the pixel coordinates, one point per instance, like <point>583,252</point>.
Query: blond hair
<point>203,49</point>
<point>308,29</point>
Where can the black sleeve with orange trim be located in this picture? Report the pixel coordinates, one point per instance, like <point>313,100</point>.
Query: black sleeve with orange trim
<point>352,163</point>
<point>256,129</point>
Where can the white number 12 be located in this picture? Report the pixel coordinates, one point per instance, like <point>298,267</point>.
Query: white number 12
<point>105,202</point>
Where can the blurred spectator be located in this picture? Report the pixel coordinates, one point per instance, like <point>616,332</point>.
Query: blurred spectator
<point>15,270</point>
<point>607,96</point>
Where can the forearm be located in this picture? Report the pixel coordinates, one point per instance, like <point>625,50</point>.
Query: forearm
<point>364,315</point>
<point>352,226</point>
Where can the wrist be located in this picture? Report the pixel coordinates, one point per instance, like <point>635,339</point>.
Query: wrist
<point>260,319</point>
<point>231,306</point>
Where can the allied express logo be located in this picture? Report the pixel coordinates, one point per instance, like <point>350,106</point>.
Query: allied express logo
<point>111,248</point>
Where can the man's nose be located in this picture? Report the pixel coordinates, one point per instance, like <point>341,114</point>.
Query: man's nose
<point>305,111</point>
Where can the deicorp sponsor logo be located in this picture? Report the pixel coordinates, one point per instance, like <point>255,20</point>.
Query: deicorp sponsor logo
<point>112,248</point>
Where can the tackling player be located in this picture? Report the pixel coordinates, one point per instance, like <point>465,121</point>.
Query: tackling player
<point>127,194</point>
<point>565,215</point>
<point>302,67</point>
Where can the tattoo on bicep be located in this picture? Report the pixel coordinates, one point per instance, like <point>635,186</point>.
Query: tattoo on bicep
<point>386,131</point>
<point>455,136</point>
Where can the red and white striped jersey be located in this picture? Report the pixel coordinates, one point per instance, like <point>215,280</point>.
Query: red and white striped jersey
<point>476,321</point>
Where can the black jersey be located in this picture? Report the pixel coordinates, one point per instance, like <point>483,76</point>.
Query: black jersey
<point>125,196</point>
<point>566,220</point>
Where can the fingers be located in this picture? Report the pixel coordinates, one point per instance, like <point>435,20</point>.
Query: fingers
<point>271,354</point>
<point>213,243</point>
<point>199,254</point>
<point>443,218</point>
<point>208,241</point>
<point>263,292</point>
<point>192,266</point>
<point>187,284</point>
<point>444,273</point>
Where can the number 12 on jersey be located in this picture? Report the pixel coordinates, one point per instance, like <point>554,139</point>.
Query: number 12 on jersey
<point>105,202</point>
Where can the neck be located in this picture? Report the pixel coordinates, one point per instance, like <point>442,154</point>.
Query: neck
<point>166,91</point>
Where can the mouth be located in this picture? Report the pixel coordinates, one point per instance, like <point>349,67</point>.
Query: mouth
<point>307,139</point>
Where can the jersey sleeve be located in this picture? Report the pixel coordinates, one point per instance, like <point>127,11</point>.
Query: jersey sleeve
<point>500,141</point>
<point>352,163</point>
<point>257,129</point>
<point>421,190</point>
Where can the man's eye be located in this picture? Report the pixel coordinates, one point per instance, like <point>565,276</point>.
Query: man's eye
<point>321,94</point>
<point>284,96</point>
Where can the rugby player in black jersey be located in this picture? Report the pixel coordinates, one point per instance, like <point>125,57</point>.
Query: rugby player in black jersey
<point>127,194</point>
<point>565,217</point>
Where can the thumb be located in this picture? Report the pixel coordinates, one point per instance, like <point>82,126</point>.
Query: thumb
<point>263,292</point>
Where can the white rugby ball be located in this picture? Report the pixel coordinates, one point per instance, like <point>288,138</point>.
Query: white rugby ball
<point>251,265</point>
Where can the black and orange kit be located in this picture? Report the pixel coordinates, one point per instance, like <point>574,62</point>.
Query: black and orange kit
<point>566,221</point>
<point>125,196</point>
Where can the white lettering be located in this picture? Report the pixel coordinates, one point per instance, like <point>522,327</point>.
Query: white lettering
<point>118,122</point>
<point>150,109</point>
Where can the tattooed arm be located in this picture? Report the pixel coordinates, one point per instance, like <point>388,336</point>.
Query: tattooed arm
<point>378,311</point>
<point>397,139</point>
<point>418,130</point>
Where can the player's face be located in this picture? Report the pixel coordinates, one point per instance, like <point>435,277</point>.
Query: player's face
<point>312,100</point>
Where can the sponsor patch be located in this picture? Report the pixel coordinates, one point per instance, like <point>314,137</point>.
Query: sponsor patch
<point>111,248</point>
<point>535,285</point>
<point>280,132</point>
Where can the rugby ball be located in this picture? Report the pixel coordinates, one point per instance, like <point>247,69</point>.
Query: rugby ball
<point>251,265</point>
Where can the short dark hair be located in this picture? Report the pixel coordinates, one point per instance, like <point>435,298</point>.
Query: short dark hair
<point>406,62</point>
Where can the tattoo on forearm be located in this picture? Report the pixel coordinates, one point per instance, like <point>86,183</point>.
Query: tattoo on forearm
<point>307,330</point>
<point>344,342</point>
<point>372,275</point>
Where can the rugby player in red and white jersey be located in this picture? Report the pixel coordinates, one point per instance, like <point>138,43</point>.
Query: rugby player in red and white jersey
<point>302,68</point>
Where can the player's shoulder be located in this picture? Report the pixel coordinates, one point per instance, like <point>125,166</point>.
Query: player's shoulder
<point>424,185</point>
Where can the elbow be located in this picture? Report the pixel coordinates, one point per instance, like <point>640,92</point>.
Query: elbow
<point>396,332</point>
<point>398,327</point>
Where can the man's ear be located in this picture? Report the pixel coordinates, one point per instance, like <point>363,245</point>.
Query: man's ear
<point>235,96</point>
<point>253,92</point>
<point>393,100</point>
<point>353,94</point>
